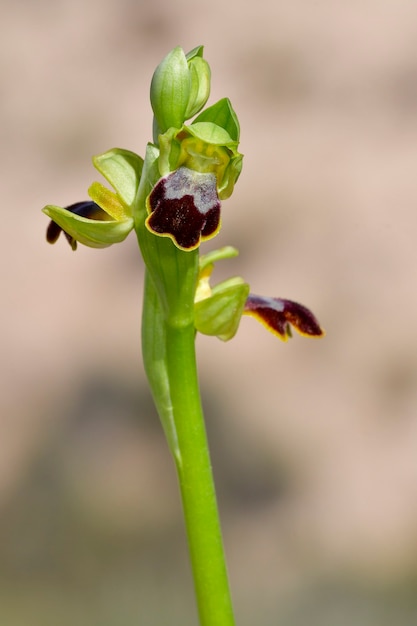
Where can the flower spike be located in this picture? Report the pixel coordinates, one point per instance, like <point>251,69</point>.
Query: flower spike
<point>172,200</point>
<point>278,315</point>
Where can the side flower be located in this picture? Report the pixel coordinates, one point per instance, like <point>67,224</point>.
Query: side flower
<point>279,315</point>
<point>63,222</point>
<point>107,217</point>
<point>219,309</point>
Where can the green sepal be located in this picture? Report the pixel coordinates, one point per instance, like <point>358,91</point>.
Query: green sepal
<point>200,76</point>
<point>122,169</point>
<point>222,114</point>
<point>221,312</point>
<point>92,233</point>
<point>170,90</point>
<point>212,133</point>
<point>232,173</point>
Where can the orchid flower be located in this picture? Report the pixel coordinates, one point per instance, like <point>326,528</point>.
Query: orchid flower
<point>172,198</point>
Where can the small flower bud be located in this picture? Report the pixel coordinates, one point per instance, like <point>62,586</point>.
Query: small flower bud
<point>170,90</point>
<point>180,88</point>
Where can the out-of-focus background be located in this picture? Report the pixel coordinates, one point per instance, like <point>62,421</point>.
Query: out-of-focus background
<point>313,442</point>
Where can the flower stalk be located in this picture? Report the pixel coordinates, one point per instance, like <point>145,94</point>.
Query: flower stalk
<point>168,349</point>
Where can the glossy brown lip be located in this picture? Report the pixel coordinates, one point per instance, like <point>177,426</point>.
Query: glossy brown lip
<point>184,206</point>
<point>87,208</point>
<point>278,315</point>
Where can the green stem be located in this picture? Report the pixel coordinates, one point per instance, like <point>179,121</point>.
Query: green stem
<point>169,357</point>
<point>196,481</point>
<point>154,360</point>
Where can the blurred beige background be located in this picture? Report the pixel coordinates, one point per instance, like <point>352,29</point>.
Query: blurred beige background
<point>314,442</point>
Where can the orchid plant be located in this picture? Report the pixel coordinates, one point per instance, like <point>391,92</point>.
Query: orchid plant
<point>172,199</point>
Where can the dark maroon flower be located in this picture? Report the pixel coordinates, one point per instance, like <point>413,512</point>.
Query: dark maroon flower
<point>278,315</point>
<point>185,207</point>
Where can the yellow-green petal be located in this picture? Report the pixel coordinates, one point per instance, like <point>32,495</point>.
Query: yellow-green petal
<point>109,201</point>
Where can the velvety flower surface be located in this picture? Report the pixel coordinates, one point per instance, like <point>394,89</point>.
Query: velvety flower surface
<point>184,206</point>
<point>278,315</point>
